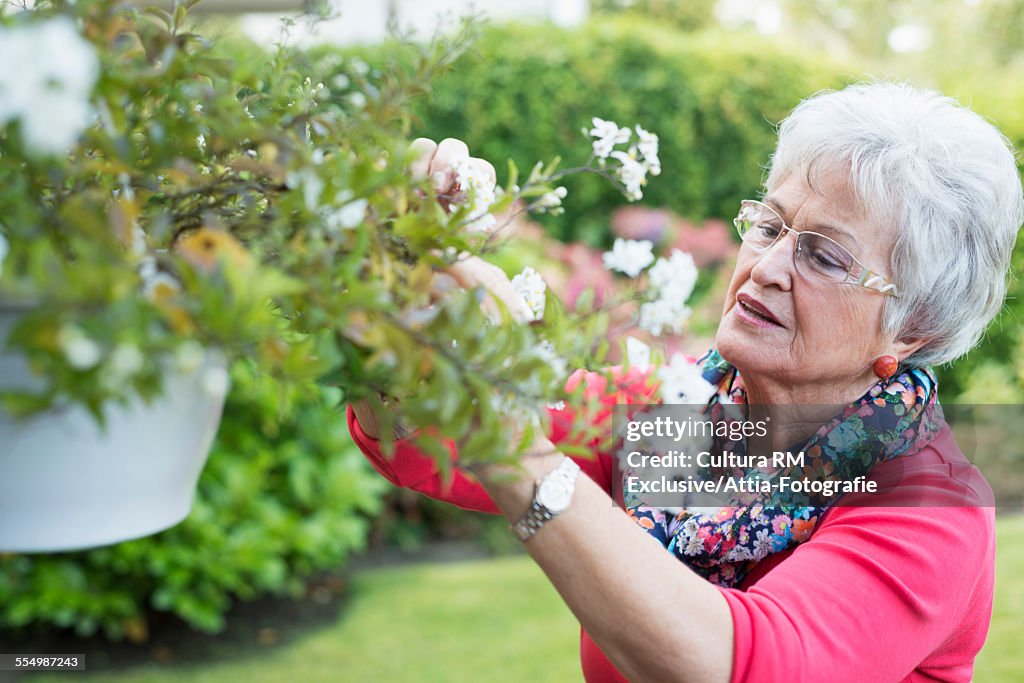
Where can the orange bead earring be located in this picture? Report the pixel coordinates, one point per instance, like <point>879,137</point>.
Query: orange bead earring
<point>885,367</point>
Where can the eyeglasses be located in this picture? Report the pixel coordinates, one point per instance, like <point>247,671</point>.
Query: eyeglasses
<point>816,256</point>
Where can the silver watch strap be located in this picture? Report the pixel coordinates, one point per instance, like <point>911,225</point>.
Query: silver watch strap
<point>538,515</point>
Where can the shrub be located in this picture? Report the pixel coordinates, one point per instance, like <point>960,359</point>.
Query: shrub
<point>994,371</point>
<point>281,499</point>
<point>260,206</point>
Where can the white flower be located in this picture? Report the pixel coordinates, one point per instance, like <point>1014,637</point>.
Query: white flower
<point>17,86</point>
<point>49,90</point>
<point>629,256</point>
<point>674,278</point>
<point>530,286</point>
<point>64,57</point>
<point>682,382</point>
<point>557,405</point>
<point>126,360</point>
<point>147,268</point>
<point>312,186</point>
<point>673,281</point>
<point>81,352</point>
<point>348,216</point>
<point>215,381</point>
<point>648,147</point>
<point>546,351</point>
<point>55,123</point>
<point>357,99</point>
<point>608,135</point>
<point>638,354</point>
<point>514,410</point>
<point>4,248</point>
<point>138,241</point>
<point>657,316</point>
<point>480,193</point>
<point>551,200</point>
<point>633,174</point>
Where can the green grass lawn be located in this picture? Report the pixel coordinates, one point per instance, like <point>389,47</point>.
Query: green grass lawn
<point>489,620</point>
<point>1002,658</point>
<point>479,621</point>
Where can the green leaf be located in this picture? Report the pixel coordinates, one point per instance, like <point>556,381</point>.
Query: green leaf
<point>513,177</point>
<point>161,14</point>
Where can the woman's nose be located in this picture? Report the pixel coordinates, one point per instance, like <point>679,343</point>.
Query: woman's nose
<point>775,264</point>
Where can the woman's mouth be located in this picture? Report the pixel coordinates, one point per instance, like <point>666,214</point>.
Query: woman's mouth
<point>752,311</point>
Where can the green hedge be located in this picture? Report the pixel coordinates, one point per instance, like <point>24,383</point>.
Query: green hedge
<point>278,501</point>
<point>525,92</point>
<point>994,371</point>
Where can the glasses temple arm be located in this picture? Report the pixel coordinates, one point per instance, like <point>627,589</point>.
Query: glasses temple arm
<point>875,281</point>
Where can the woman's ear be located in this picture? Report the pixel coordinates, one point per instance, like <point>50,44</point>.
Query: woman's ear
<point>904,348</point>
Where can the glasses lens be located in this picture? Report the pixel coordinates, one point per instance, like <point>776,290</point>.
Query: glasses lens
<point>758,225</point>
<point>824,257</point>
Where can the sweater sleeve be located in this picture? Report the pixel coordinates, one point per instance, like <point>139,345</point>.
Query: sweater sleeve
<point>875,592</point>
<point>410,468</point>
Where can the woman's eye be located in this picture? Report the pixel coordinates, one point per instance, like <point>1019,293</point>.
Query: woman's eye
<point>826,260</point>
<point>768,231</point>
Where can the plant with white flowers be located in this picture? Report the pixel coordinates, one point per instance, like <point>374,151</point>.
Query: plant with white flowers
<point>47,94</point>
<point>663,308</point>
<point>627,169</point>
<point>671,282</point>
<point>635,162</point>
<point>159,198</point>
<point>531,287</point>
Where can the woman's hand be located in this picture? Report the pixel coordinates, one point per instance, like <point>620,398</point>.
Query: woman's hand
<point>440,162</point>
<point>470,272</point>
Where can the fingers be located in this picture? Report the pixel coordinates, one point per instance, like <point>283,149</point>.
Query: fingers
<point>441,284</point>
<point>483,170</point>
<point>424,149</point>
<point>439,163</point>
<point>442,167</point>
<point>475,272</point>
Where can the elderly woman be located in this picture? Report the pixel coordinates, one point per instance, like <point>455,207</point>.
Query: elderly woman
<point>881,247</point>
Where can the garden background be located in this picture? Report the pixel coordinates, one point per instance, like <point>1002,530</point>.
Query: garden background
<point>298,561</point>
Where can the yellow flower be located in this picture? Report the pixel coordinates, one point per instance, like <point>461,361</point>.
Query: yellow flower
<point>207,247</point>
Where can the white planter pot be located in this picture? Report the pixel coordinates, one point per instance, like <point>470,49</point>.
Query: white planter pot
<point>67,484</point>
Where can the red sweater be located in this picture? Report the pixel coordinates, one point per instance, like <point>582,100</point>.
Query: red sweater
<point>876,594</point>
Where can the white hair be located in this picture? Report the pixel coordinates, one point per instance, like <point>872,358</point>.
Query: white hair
<point>945,176</point>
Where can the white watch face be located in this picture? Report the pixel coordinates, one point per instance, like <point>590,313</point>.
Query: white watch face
<point>555,495</point>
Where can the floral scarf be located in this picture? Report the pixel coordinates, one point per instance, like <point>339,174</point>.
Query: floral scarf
<point>897,417</point>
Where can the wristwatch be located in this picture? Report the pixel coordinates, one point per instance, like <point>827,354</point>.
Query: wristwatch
<point>551,496</point>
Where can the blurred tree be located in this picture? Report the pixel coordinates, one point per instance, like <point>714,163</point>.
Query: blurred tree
<point>688,15</point>
<point>957,36</point>
<point>855,27</point>
<point>1002,24</point>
